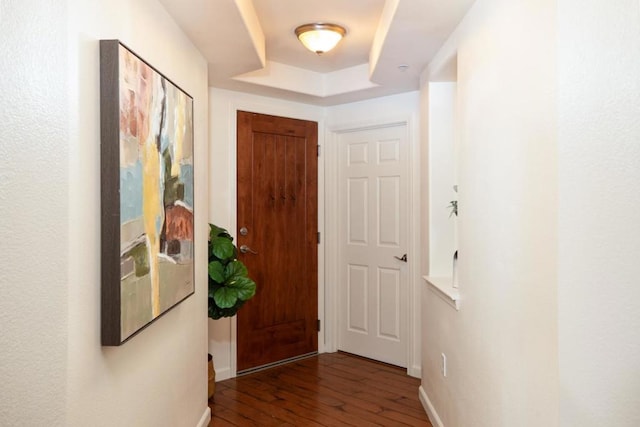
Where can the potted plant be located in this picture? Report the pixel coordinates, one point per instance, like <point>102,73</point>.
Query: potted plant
<point>229,283</point>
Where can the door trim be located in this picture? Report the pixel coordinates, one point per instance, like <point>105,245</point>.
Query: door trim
<point>331,228</point>
<point>293,113</point>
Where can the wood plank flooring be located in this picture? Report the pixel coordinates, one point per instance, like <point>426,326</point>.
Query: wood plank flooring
<point>332,389</point>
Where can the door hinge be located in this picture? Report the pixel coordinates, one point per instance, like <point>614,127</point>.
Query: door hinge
<point>318,325</point>
<point>318,237</point>
<point>318,150</point>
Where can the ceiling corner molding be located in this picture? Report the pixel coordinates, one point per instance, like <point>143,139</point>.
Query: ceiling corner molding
<point>254,29</point>
<point>348,80</point>
<point>407,49</point>
<point>386,19</point>
<point>208,22</point>
<point>286,77</point>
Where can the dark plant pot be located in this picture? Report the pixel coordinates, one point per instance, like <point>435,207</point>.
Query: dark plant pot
<point>212,377</point>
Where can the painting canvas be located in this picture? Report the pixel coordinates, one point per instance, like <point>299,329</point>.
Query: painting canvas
<point>147,195</point>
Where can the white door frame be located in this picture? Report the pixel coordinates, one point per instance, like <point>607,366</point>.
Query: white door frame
<point>331,231</point>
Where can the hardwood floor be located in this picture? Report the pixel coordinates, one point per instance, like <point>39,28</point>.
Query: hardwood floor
<point>332,389</point>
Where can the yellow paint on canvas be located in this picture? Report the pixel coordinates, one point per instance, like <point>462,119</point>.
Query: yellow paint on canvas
<point>152,213</point>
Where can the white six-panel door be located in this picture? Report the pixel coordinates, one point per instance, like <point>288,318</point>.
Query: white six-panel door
<point>372,199</point>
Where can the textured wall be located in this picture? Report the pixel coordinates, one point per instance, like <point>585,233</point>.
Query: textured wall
<point>53,369</point>
<point>34,207</point>
<point>158,378</point>
<point>599,201</point>
<point>502,344</point>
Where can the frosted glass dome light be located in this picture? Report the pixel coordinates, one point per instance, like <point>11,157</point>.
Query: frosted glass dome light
<point>320,38</point>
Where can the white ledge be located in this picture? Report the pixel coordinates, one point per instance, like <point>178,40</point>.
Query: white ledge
<point>442,286</point>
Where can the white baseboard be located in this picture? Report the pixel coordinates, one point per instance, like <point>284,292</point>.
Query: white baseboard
<point>429,409</point>
<point>415,371</point>
<point>206,417</point>
<point>223,374</point>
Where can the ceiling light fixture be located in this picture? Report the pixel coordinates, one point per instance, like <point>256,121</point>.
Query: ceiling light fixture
<point>320,38</point>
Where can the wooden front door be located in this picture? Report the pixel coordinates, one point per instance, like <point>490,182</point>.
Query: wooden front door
<point>277,226</point>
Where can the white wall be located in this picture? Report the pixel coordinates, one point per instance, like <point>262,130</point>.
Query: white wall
<point>501,346</point>
<point>54,370</point>
<point>599,201</point>
<point>159,377</point>
<point>375,110</point>
<point>34,189</point>
<point>223,105</point>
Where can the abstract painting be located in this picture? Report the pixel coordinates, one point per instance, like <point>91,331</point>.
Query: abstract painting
<point>147,191</point>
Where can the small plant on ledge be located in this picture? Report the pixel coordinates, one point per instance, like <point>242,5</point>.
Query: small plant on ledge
<point>454,204</point>
<point>454,208</point>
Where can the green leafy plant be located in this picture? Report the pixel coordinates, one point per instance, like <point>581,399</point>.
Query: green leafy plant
<point>229,283</point>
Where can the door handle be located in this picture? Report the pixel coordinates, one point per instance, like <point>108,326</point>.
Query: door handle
<point>246,249</point>
<point>403,259</point>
